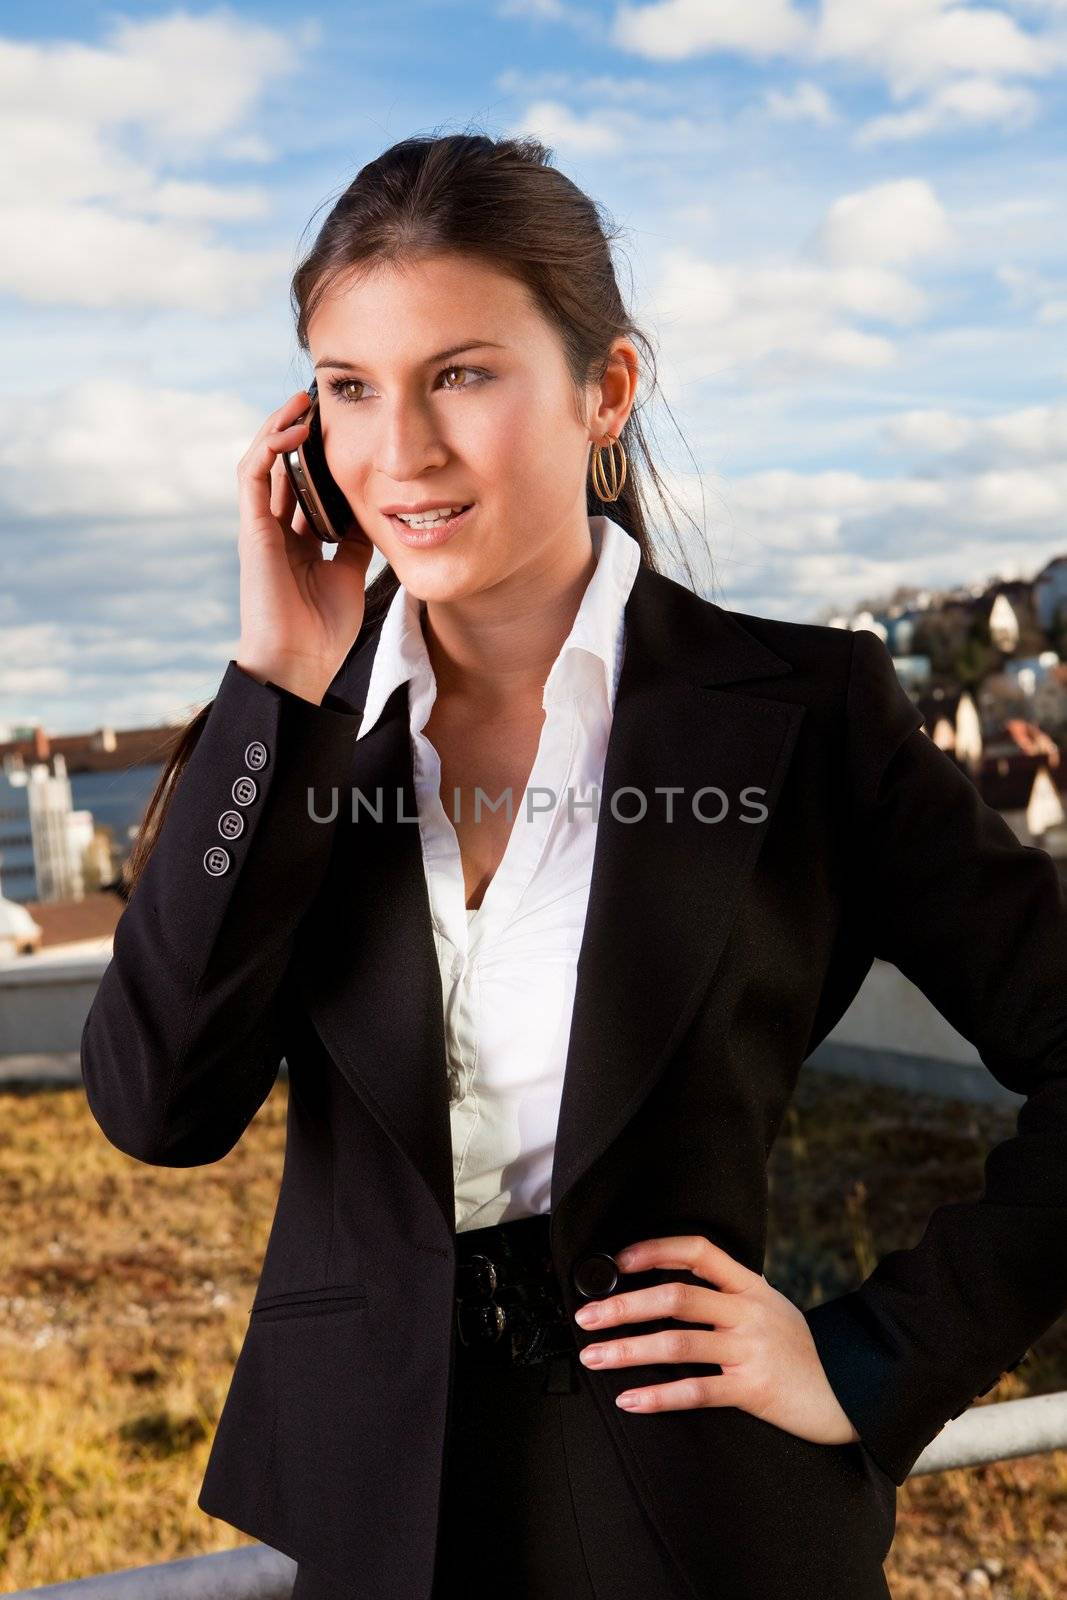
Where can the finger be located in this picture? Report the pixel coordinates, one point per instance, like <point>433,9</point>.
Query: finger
<point>685,1394</point>
<point>671,1344</point>
<point>302,543</point>
<point>285,414</point>
<point>283,501</point>
<point>254,474</point>
<point>692,1251</point>
<point>258,460</point>
<point>301,525</point>
<point>686,1301</point>
<point>287,509</point>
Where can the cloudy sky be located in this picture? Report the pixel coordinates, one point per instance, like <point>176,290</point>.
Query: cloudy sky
<point>843,227</point>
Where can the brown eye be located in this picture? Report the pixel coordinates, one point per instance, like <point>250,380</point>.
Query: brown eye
<point>447,370</point>
<point>347,383</point>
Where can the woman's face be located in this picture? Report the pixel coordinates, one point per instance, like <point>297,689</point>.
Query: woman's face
<point>493,425</point>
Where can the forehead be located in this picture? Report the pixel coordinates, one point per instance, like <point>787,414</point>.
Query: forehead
<point>408,310</point>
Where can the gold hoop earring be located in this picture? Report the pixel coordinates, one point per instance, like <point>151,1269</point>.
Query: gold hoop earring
<point>609,488</point>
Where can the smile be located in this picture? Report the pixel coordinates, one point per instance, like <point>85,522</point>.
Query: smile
<point>430,533</point>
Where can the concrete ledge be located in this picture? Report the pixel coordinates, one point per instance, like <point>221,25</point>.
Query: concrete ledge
<point>253,1572</point>
<point>897,1069</point>
<point>58,1069</point>
<point>45,998</point>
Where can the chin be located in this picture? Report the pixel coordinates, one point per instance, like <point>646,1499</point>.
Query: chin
<point>436,575</point>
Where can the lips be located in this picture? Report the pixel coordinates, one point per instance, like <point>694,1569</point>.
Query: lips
<point>433,513</point>
<point>420,507</point>
<point>434,533</point>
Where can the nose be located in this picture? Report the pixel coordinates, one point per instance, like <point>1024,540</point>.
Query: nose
<point>408,444</point>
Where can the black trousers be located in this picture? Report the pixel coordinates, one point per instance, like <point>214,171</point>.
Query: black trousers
<point>536,1503</point>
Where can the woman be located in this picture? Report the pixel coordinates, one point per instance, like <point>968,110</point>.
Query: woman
<point>537,1059</point>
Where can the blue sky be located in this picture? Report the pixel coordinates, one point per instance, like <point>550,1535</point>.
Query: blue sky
<point>843,227</point>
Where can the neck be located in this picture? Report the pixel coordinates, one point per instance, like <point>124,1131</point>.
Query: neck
<point>496,648</point>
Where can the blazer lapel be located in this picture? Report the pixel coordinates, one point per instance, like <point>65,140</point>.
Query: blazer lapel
<point>664,892</point>
<point>373,986</point>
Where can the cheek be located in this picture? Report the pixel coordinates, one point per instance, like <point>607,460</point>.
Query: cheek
<point>492,440</point>
<point>530,450</point>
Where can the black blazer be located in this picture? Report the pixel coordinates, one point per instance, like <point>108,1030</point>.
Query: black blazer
<point>716,956</point>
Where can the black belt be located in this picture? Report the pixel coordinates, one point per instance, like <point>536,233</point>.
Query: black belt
<point>509,1310</point>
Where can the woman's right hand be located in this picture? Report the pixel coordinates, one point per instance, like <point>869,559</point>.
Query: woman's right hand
<point>300,613</point>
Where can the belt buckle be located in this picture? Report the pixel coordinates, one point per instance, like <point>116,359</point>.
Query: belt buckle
<point>477,1277</point>
<point>532,1317</point>
<point>480,1324</point>
<point>479,1318</point>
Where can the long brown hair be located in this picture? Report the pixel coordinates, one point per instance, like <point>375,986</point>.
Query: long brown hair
<point>502,201</point>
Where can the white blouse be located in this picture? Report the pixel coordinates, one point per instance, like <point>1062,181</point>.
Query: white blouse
<point>508,967</point>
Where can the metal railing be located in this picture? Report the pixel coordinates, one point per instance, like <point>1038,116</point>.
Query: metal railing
<point>1000,1431</point>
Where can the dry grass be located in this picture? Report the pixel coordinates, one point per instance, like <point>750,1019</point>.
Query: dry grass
<point>125,1289</point>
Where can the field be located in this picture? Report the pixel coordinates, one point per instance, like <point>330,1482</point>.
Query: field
<point>124,1292</point>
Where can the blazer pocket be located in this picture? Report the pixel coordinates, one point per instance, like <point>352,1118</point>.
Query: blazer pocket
<point>309,1302</point>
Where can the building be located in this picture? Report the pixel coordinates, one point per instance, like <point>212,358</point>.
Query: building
<point>101,784</point>
<point>40,832</point>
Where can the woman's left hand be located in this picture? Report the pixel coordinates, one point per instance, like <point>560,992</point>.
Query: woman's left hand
<point>760,1339</point>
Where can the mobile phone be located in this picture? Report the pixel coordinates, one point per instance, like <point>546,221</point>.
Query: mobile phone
<point>327,511</point>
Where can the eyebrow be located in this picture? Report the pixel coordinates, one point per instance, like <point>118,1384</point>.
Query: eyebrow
<point>440,355</point>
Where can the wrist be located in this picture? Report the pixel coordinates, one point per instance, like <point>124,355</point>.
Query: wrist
<point>305,685</point>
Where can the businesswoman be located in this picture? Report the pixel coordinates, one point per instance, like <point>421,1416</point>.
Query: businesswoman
<point>511,1329</point>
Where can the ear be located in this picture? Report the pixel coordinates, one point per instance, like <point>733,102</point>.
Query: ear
<point>613,397</point>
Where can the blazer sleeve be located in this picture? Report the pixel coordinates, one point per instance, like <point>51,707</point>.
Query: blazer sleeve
<point>183,1041</point>
<point>978,922</point>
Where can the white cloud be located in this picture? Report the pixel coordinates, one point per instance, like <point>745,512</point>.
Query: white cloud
<point>144,77</point>
<point>801,541</point>
<point>1012,440</point>
<point>547,10</point>
<point>556,125</point>
<point>89,224</point>
<point>969,102</point>
<point>673,30</point>
<point>778,321</point>
<point>33,662</point>
<point>899,222</point>
<point>1046,296</point>
<point>111,448</point>
<point>805,102</point>
<point>915,46</point>
<point>977,494</point>
<point>775,322</point>
<point>650,90</point>
<point>81,256</point>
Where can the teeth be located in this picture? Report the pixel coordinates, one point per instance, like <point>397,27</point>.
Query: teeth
<point>427,519</point>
